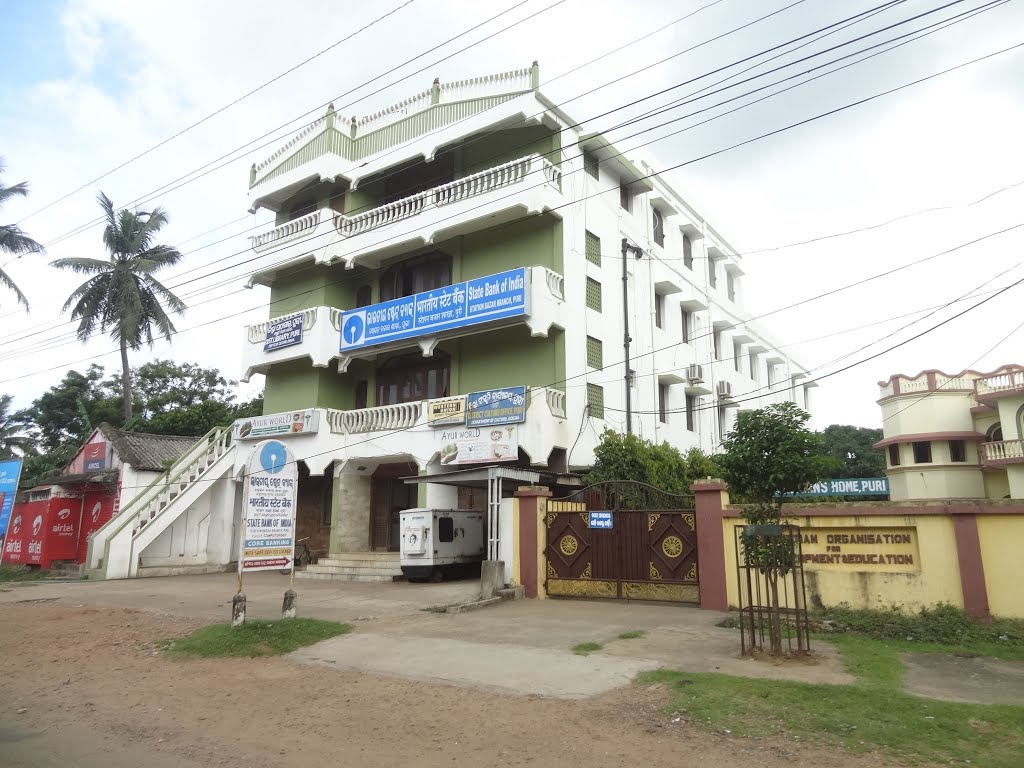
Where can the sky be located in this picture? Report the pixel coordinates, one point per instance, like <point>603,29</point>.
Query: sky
<point>88,85</point>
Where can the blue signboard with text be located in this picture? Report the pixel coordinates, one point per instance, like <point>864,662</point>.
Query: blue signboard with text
<point>601,519</point>
<point>496,406</point>
<point>283,332</point>
<point>495,297</point>
<point>10,472</point>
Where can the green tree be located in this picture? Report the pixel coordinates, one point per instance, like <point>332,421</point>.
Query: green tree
<point>12,240</point>
<point>123,297</point>
<point>162,386</point>
<point>628,457</point>
<point>13,440</point>
<point>852,448</point>
<point>769,453</point>
<point>69,411</point>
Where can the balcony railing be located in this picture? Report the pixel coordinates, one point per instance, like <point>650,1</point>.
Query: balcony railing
<point>377,419</point>
<point>1004,382</point>
<point>258,333</point>
<point>532,167</point>
<point>1003,452</point>
<point>304,225</point>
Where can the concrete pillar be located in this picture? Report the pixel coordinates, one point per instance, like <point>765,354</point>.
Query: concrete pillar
<point>710,499</point>
<point>350,516</point>
<point>972,567</point>
<point>529,544</point>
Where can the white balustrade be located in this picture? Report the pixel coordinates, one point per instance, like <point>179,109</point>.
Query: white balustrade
<point>556,402</point>
<point>290,229</point>
<point>1004,450</point>
<point>556,283</point>
<point>348,226</point>
<point>533,169</point>
<point>394,113</point>
<point>377,419</point>
<point>489,85</point>
<point>1001,383</point>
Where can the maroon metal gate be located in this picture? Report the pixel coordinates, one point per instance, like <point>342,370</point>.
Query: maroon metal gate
<point>649,552</point>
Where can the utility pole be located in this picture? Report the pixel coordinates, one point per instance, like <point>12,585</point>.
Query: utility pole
<point>638,252</point>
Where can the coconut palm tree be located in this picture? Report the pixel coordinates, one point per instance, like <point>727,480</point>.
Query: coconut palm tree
<point>12,239</point>
<point>13,441</point>
<point>122,297</point>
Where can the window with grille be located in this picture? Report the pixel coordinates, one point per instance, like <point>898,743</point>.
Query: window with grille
<point>659,310</point>
<point>663,403</point>
<point>712,273</point>
<point>659,227</point>
<point>687,251</point>
<point>737,356</point>
<point>593,248</point>
<point>595,354</point>
<point>595,400</point>
<point>591,165</point>
<point>691,412</point>
<point>593,294</point>
<point>730,280</point>
<point>687,326</point>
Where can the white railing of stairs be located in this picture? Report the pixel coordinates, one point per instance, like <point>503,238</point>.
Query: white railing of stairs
<point>154,501</point>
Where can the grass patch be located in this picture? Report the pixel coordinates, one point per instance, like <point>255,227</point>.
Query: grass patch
<point>585,649</point>
<point>872,714</point>
<point>435,609</point>
<point>20,573</point>
<point>254,638</point>
<point>632,634</point>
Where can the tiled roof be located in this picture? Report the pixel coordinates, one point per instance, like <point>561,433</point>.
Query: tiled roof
<point>148,452</point>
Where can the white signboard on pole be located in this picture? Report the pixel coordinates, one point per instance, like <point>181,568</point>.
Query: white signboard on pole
<point>268,525</point>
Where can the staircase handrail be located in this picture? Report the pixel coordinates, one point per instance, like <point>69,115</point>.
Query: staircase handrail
<point>226,432</point>
<point>118,521</point>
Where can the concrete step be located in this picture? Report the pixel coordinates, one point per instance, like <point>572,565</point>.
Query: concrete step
<point>181,570</point>
<point>359,562</point>
<point>363,577</point>
<point>348,570</point>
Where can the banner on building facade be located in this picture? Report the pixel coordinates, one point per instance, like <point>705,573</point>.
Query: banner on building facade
<point>268,509</point>
<point>10,474</point>
<point>447,410</point>
<point>475,445</point>
<point>305,422</point>
<point>496,406</point>
<point>94,455</point>
<point>481,300</point>
<point>283,332</point>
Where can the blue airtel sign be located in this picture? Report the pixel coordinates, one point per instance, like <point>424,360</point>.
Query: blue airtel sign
<point>481,300</point>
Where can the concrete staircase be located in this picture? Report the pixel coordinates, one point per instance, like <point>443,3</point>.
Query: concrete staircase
<point>355,566</point>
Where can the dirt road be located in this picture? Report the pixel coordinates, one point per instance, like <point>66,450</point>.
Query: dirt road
<point>95,692</point>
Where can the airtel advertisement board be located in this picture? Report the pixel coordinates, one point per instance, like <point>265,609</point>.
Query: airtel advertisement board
<point>40,532</point>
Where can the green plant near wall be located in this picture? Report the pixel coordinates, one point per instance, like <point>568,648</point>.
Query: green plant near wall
<point>768,454</point>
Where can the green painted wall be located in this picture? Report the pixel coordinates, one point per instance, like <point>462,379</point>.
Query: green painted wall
<point>536,240</point>
<point>297,384</point>
<point>509,357</point>
<point>488,150</point>
<point>300,288</point>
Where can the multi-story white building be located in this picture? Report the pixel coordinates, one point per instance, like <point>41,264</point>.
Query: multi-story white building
<point>954,437</point>
<point>447,293</point>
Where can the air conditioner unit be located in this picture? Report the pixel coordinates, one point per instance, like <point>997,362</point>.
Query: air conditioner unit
<point>725,390</point>
<point>695,374</point>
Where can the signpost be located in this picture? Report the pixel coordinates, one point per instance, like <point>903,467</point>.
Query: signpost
<point>481,300</point>
<point>268,518</point>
